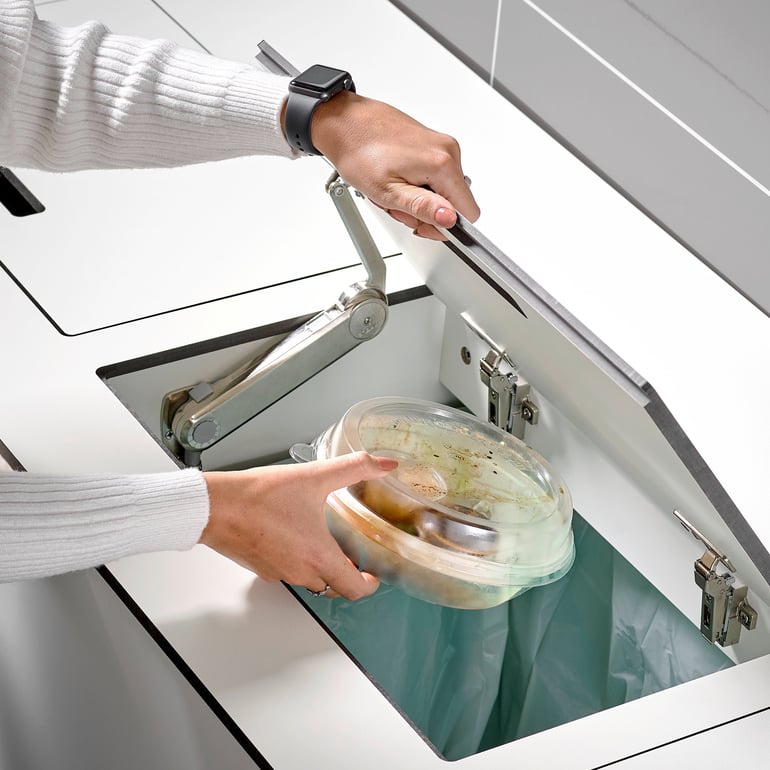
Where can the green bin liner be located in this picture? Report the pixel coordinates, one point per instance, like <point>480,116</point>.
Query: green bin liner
<point>469,680</point>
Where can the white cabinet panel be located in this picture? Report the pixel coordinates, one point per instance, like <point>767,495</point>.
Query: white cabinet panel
<point>114,246</point>
<point>748,739</point>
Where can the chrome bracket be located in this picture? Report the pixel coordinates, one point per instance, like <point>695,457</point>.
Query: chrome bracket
<point>725,608</point>
<point>508,403</point>
<point>273,62</point>
<point>196,417</point>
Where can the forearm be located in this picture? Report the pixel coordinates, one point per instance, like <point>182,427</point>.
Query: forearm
<point>55,524</point>
<point>81,97</point>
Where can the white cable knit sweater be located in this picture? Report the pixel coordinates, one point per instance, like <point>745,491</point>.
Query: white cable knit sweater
<point>76,98</point>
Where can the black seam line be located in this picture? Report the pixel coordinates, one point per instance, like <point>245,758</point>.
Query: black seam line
<point>683,738</point>
<point>184,669</point>
<point>293,590</point>
<point>243,293</point>
<point>486,277</point>
<point>29,296</point>
<point>202,347</point>
<point>181,26</point>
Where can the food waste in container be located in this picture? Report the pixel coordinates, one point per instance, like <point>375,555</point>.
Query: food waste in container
<point>469,519</point>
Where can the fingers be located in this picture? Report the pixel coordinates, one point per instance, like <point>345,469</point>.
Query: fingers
<point>349,469</point>
<point>417,227</point>
<point>452,185</point>
<point>424,209</point>
<point>349,584</point>
<point>336,569</point>
<point>341,576</point>
<point>271,520</point>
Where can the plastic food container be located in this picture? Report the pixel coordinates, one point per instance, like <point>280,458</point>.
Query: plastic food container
<point>469,519</point>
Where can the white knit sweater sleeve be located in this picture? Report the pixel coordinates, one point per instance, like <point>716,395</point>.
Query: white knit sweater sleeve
<point>76,98</point>
<point>82,97</point>
<point>55,524</point>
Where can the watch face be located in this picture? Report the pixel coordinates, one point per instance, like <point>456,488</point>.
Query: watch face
<point>319,79</point>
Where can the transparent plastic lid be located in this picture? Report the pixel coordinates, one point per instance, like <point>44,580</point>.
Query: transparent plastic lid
<point>467,498</point>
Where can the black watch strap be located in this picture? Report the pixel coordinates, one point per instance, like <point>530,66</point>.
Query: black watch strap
<point>315,85</point>
<point>299,115</point>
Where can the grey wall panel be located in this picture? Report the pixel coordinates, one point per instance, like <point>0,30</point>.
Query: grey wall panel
<point>466,28</point>
<point>705,60</point>
<point>683,185</point>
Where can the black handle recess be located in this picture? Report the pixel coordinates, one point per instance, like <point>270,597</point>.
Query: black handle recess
<point>15,196</point>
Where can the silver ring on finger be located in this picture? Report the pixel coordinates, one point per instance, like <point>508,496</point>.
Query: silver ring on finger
<point>323,592</point>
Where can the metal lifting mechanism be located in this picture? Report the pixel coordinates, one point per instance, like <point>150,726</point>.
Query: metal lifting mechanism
<point>725,608</point>
<point>508,403</point>
<point>196,417</point>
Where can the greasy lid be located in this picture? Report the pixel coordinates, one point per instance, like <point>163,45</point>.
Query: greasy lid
<point>463,487</point>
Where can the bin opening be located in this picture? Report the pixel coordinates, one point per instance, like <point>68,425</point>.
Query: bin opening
<point>470,680</point>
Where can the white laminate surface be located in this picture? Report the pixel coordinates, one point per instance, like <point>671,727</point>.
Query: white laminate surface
<point>280,677</point>
<point>752,731</point>
<point>149,241</point>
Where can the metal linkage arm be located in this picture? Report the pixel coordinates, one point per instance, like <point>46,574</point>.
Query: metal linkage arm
<point>195,418</point>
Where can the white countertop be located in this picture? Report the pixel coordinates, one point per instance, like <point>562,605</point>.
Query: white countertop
<point>703,347</point>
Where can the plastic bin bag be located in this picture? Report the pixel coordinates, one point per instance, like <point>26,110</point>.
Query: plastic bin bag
<point>469,680</point>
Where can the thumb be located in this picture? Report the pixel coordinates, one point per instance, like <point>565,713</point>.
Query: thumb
<point>425,205</point>
<point>349,469</point>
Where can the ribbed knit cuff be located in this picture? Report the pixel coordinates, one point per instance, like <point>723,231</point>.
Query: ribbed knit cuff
<point>52,524</point>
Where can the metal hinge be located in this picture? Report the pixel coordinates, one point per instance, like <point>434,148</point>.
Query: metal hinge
<point>508,403</point>
<point>194,418</point>
<point>725,607</point>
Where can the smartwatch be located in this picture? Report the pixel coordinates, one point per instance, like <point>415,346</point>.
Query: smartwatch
<point>315,85</point>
